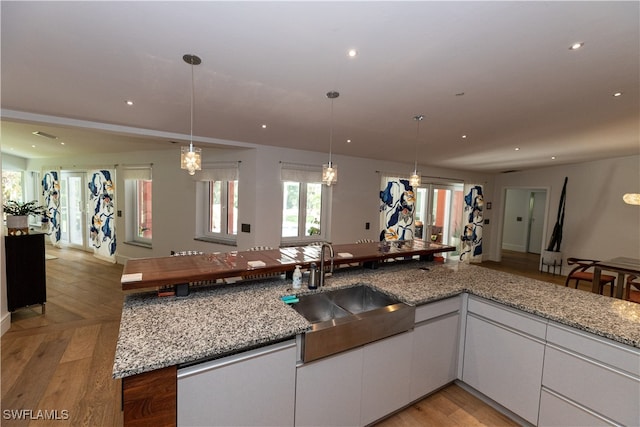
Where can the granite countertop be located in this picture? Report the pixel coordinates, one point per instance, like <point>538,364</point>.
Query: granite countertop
<point>212,322</point>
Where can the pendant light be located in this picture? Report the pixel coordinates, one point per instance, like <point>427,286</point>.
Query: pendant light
<point>191,157</point>
<point>330,171</point>
<point>414,179</point>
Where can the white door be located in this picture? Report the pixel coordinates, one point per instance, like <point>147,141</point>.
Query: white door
<point>536,221</point>
<point>73,218</point>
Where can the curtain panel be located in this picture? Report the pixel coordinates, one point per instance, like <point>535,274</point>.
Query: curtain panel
<point>218,171</point>
<point>102,228</point>
<point>51,194</point>
<point>471,238</point>
<point>397,209</point>
<point>298,172</point>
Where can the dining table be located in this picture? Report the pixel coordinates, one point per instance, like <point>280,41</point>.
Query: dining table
<point>621,265</point>
<point>166,271</point>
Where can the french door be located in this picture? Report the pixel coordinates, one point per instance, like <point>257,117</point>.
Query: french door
<point>439,214</point>
<point>73,212</point>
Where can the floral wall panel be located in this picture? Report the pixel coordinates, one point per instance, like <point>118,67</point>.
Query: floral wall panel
<point>102,227</point>
<point>471,239</point>
<point>51,193</point>
<point>397,205</point>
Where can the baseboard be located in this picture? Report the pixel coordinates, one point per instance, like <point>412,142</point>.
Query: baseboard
<point>515,248</point>
<point>5,323</point>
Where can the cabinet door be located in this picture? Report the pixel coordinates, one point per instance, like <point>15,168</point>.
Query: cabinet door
<point>253,388</point>
<point>25,267</point>
<point>386,376</point>
<point>435,354</point>
<point>504,365</point>
<point>328,391</point>
<point>557,411</point>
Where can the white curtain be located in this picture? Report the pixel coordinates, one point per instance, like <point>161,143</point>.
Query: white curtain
<point>218,171</point>
<point>473,219</point>
<point>297,172</point>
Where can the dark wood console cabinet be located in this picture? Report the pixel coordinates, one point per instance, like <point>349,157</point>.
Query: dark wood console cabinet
<point>25,265</point>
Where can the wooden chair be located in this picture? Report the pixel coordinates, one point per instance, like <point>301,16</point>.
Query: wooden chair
<point>580,273</point>
<point>632,281</point>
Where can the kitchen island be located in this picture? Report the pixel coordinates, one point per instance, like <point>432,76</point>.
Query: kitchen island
<point>160,334</point>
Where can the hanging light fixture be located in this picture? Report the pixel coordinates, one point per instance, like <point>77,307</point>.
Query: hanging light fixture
<point>330,171</point>
<point>191,157</point>
<point>414,179</point>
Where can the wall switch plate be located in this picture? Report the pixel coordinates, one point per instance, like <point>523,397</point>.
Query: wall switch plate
<point>246,228</point>
<point>367,225</point>
<point>486,221</point>
<point>119,213</point>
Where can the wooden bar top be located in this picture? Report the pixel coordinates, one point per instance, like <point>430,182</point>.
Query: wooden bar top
<point>172,270</point>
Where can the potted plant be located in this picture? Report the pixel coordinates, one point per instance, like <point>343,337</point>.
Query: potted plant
<point>18,215</point>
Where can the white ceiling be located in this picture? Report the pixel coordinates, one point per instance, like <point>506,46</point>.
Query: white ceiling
<point>72,65</point>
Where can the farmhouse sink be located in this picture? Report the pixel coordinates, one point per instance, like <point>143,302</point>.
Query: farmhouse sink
<point>346,318</point>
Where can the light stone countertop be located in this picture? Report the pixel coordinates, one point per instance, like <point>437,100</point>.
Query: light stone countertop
<point>213,322</point>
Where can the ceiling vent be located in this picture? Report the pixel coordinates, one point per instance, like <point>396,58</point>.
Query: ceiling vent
<point>44,135</point>
<point>510,171</point>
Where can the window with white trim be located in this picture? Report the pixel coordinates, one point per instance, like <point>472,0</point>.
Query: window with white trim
<point>138,190</point>
<point>217,192</point>
<point>304,204</point>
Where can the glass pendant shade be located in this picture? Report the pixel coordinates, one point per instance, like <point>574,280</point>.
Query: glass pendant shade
<point>414,179</point>
<point>329,174</point>
<point>191,159</point>
<point>631,198</point>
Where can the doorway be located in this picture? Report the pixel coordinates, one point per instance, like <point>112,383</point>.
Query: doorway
<point>439,214</point>
<point>524,220</point>
<point>73,212</point>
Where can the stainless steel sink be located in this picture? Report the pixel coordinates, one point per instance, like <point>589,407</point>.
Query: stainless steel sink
<point>347,318</point>
<point>319,308</point>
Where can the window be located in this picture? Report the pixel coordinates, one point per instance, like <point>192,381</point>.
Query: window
<point>304,204</point>
<point>11,185</point>
<point>302,209</point>
<point>222,209</point>
<point>138,187</point>
<point>144,210</point>
<point>217,192</point>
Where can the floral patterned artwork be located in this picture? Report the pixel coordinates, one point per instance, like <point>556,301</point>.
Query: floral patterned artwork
<point>397,210</point>
<point>102,228</point>
<point>51,193</point>
<point>471,238</point>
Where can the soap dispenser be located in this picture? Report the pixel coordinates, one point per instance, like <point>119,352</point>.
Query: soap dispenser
<point>297,278</point>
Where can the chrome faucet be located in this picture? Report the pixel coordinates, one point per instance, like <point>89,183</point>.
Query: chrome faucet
<point>325,245</point>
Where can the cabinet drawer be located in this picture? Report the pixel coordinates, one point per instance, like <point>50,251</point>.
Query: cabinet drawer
<point>557,411</point>
<point>438,308</point>
<point>610,353</point>
<point>521,322</point>
<point>609,392</point>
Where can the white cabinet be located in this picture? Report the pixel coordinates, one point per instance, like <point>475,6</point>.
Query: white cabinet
<point>386,375</point>
<point>589,375</point>
<point>253,388</point>
<point>503,356</point>
<point>328,391</point>
<point>434,361</point>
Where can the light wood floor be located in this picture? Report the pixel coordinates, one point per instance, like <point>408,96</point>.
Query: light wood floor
<point>63,360</point>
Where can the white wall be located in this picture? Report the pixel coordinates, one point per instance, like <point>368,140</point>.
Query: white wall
<point>598,224</point>
<point>354,198</point>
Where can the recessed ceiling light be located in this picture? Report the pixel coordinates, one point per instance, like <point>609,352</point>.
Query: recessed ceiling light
<point>129,102</point>
<point>617,94</point>
<point>576,46</point>
<point>553,157</point>
<point>517,148</point>
<point>348,141</point>
<point>352,53</point>
<point>464,136</point>
<point>62,143</point>
<point>33,146</point>
<point>264,126</point>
